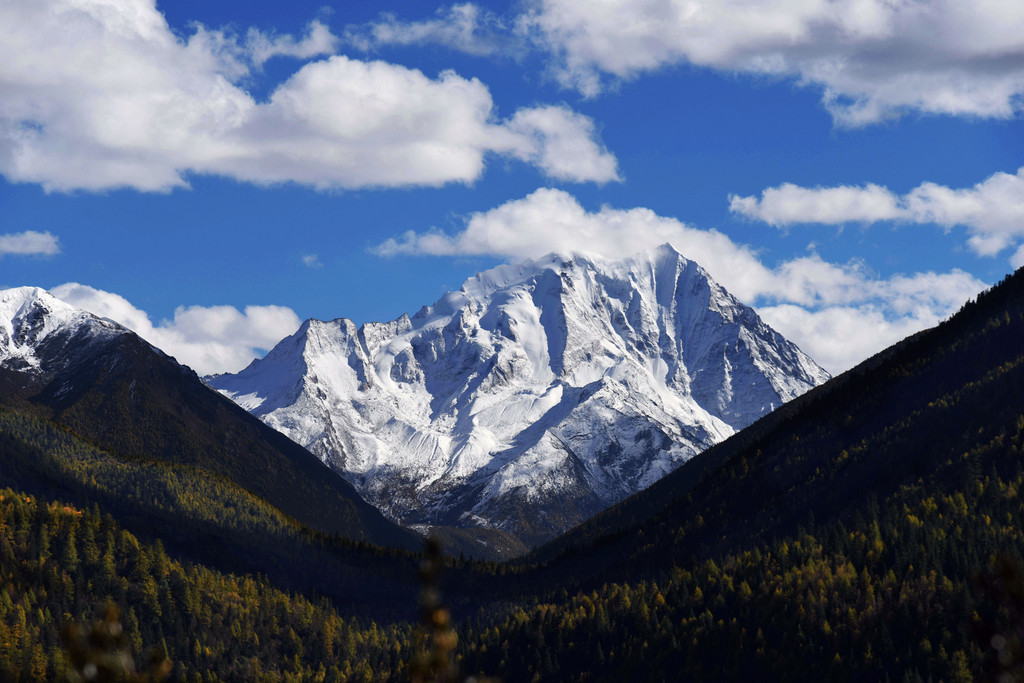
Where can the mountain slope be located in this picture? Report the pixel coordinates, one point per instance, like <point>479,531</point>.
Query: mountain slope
<point>535,396</point>
<point>110,387</point>
<point>61,565</point>
<point>848,536</point>
<point>935,394</point>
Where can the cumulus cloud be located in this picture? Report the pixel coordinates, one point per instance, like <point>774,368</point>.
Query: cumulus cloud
<point>98,95</point>
<point>872,59</point>
<point>208,339</point>
<point>463,27</point>
<point>552,220</point>
<point>561,143</point>
<point>992,210</point>
<point>788,203</point>
<point>29,243</point>
<point>839,313</point>
<point>839,337</point>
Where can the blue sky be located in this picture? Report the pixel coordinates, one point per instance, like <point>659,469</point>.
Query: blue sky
<point>209,174</point>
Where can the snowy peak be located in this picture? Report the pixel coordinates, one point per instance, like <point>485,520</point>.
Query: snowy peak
<point>557,386</point>
<point>38,330</point>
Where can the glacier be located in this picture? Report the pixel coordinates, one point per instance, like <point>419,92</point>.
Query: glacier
<point>535,396</point>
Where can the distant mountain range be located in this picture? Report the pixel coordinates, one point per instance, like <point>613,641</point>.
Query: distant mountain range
<point>537,395</point>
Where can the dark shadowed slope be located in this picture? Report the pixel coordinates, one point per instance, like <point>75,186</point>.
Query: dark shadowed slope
<point>111,388</point>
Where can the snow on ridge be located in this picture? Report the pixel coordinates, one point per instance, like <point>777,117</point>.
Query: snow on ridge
<point>565,381</point>
<point>29,316</point>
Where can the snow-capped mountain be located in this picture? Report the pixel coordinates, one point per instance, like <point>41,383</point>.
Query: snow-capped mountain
<point>107,385</point>
<point>40,334</point>
<point>533,397</point>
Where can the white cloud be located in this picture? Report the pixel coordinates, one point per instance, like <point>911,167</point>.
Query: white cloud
<point>790,203</point>
<point>561,143</point>
<point>208,339</point>
<point>312,261</point>
<point>100,94</point>
<point>1017,260</point>
<point>552,220</point>
<point>840,313</point>
<point>872,59</point>
<point>464,27</point>
<point>992,210</point>
<point>318,41</point>
<point>348,123</point>
<point>29,243</point>
<point>842,336</point>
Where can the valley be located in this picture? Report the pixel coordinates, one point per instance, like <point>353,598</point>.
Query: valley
<point>849,533</point>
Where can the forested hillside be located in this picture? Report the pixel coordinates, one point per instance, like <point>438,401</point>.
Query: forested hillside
<point>198,516</point>
<point>872,530</point>
<point>129,399</point>
<point>60,564</point>
<point>844,538</point>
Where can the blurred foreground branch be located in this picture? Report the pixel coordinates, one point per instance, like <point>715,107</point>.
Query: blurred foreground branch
<point>102,653</point>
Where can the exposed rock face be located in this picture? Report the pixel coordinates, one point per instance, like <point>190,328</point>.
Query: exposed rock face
<point>535,396</point>
<point>41,335</point>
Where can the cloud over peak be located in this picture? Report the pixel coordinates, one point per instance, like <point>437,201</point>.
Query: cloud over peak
<point>209,339</point>
<point>839,313</point>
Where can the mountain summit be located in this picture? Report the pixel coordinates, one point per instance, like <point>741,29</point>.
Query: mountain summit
<point>40,334</point>
<point>533,397</point>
